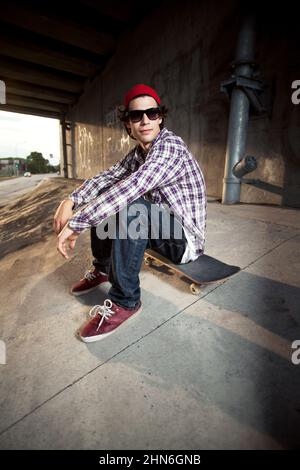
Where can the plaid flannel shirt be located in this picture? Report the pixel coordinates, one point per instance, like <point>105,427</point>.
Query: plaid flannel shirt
<point>167,175</point>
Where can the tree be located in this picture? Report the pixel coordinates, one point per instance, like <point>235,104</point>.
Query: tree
<point>36,163</point>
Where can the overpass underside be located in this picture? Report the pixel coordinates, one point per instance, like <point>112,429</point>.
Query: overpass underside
<point>51,50</point>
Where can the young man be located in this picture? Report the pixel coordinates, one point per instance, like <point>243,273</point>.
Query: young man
<point>159,176</point>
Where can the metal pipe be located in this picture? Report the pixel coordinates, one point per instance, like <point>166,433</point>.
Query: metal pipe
<point>73,149</point>
<point>64,147</point>
<point>244,166</point>
<point>239,112</point>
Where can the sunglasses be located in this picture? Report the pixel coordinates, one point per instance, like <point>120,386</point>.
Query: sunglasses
<point>136,115</point>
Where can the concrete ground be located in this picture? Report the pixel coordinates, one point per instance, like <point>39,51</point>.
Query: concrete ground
<point>212,371</point>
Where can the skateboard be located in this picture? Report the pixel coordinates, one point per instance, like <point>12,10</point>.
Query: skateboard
<point>204,270</point>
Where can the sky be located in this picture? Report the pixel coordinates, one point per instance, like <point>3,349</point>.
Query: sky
<point>21,134</point>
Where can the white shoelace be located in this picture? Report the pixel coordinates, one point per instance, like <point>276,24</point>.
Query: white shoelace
<point>90,275</point>
<point>103,310</point>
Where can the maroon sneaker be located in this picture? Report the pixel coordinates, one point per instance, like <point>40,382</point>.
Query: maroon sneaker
<point>105,320</point>
<point>91,280</point>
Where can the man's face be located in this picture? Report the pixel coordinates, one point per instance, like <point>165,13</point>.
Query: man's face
<point>146,130</point>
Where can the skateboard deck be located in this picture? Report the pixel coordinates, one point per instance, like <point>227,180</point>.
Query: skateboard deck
<point>204,270</point>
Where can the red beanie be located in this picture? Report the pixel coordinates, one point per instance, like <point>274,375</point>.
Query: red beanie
<point>139,90</point>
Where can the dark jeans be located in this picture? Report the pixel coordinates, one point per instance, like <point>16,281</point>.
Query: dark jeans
<point>122,258</point>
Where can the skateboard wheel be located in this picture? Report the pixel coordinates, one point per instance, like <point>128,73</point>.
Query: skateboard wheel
<point>147,261</point>
<point>195,289</point>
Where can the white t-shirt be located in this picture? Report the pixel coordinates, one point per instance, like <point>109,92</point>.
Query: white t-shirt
<point>189,254</point>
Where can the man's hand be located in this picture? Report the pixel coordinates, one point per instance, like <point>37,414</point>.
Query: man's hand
<point>62,216</point>
<point>66,239</point>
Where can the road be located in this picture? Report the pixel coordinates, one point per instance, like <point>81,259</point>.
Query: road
<point>15,187</point>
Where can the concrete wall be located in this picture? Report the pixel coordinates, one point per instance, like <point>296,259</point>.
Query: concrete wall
<point>184,50</point>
